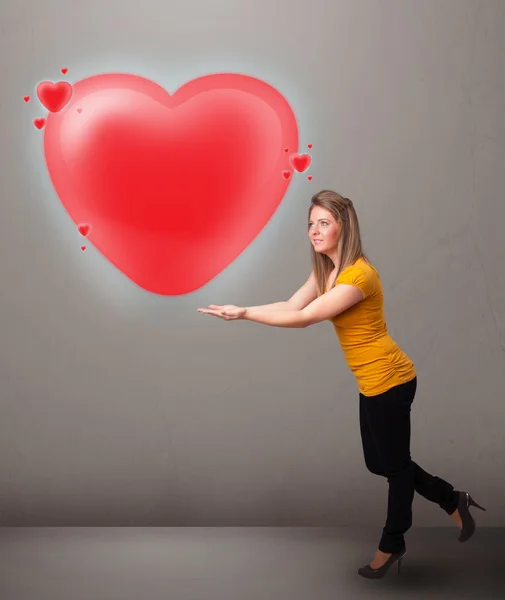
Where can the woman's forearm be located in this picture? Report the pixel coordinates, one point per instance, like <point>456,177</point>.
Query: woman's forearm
<point>275,307</point>
<point>284,315</point>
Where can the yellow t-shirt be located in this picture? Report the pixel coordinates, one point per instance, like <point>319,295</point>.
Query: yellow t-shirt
<point>372,355</point>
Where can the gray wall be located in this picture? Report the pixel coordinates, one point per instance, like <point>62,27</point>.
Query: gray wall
<point>121,407</point>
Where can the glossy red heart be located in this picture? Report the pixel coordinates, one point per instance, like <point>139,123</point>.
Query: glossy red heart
<point>26,98</point>
<point>83,229</point>
<point>174,187</point>
<point>39,123</point>
<point>54,96</point>
<point>64,70</point>
<point>300,162</point>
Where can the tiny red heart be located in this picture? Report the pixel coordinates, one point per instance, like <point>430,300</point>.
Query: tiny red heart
<point>54,96</point>
<point>83,248</point>
<point>300,162</point>
<point>286,174</point>
<point>64,71</point>
<point>83,229</point>
<point>286,150</point>
<point>26,98</point>
<point>39,123</point>
<point>309,145</point>
<point>309,177</point>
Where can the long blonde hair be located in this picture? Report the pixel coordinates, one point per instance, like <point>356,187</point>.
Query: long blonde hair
<point>350,245</point>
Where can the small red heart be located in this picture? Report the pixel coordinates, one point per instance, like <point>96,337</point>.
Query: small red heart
<point>309,177</point>
<point>26,98</point>
<point>286,174</point>
<point>286,150</point>
<point>64,71</point>
<point>79,110</point>
<point>149,163</point>
<point>39,123</point>
<point>309,145</point>
<point>54,96</point>
<point>83,229</point>
<point>300,162</point>
<point>83,248</point>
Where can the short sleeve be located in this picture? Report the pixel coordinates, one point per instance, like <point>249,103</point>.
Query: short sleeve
<point>360,278</point>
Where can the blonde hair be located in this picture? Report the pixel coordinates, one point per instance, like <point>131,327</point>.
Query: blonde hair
<point>350,246</point>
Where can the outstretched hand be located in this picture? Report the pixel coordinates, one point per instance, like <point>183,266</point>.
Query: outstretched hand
<point>227,311</point>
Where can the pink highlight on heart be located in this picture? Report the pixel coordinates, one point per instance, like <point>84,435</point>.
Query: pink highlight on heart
<point>54,96</point>
<point>148,162</point>
<point>64,71</point>
<point>300,162</point>
<point>26,98</point>
<point>84,229</point>
<point>39,123</point>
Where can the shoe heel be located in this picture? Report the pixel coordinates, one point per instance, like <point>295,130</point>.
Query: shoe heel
<point>473,503</point>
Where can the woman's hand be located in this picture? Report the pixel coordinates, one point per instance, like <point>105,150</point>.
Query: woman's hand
<point>227,311</point>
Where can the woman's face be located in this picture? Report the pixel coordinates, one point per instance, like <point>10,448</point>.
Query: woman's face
<point>324,231</point>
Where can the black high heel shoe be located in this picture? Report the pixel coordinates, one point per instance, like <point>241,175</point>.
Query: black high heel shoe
<point>468,528</point>
<point>379,573</point>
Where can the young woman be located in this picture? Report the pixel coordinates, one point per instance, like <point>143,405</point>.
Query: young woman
<point>345,289</point>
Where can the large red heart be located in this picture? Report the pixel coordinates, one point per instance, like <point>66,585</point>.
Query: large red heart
<point>174,187</point>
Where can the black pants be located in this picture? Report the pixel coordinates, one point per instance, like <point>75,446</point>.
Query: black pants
<point>385,433</point>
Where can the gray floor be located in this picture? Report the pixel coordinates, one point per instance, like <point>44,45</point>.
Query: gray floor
<point>242,563</point>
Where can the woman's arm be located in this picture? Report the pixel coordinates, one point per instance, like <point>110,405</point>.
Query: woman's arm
<point>275,307</point>
<point>279,314</point>
<point>329,305</point>
<point>298,301</point>
<point>287,317</point>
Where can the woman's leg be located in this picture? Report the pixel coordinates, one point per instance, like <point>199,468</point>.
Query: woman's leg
<point>432,488</point>
<point>387,417</point>
<point>435,489</point>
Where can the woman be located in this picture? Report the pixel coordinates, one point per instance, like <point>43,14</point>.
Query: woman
<point>386,377</point>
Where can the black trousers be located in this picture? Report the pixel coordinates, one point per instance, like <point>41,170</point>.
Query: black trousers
<point>385,434</point>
